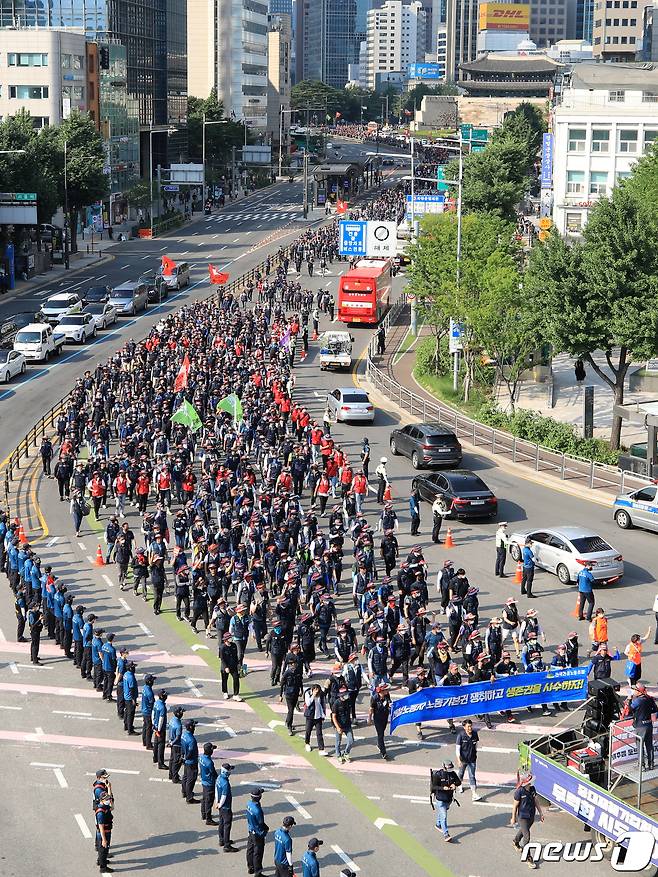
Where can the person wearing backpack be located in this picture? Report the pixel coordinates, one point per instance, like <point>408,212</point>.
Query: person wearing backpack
<point>443,784</point>
<point>526,807</point>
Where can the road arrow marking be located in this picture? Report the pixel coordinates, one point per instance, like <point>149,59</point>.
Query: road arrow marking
<point>197,646</point>
<point>382,821</point>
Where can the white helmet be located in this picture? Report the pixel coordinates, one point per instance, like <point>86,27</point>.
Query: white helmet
<point>383,460</point>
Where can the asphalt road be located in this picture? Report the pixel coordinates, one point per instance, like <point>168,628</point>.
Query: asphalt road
<point>54,731</point>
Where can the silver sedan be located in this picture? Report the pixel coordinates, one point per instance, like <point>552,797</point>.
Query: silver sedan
<point>350,403</point>
<point>565,551</point>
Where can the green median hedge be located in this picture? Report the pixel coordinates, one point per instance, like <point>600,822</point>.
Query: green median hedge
<point>524,424</point>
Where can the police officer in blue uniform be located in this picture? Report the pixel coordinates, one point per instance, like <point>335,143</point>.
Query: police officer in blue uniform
<point>208,776</point>
<point>159,724</point>
<point>130,695</point>
<point>283,848</point>
<point>257,833</point>
<point>87,636</point>
<point>175,734</point>
<point>103,819</point>
<point>36,626</point>
<point>96,658</point>
<point>109,664</point>
<point>310,864</point>
<point>190,756</point>
<point>224,803</point>
<point>21,615</point>
<point>67,624</point>
<point>122,664</point>
<point>78,623</point>
<point>148,699</point>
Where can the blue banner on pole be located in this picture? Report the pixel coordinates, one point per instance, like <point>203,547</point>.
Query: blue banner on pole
<point>509,693</point>
<point>547,161</point>
<point>352,237</point>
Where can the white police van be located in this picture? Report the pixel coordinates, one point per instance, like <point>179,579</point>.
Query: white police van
<point>638,508</point>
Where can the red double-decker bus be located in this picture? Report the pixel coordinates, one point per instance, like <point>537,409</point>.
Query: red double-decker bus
<point>364,292</point>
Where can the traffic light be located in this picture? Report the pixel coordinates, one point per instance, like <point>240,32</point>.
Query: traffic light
<point>105,57</point>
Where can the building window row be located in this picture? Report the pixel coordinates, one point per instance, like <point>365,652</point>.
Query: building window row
<point>598,182</point>
<point>28,92</point>
<point>27,59</point>
<point>72,62</point>
<point>627,140</point>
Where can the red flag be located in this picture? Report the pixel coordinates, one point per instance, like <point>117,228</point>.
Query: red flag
<point>341,206</point>
<point>338,115</point>
<point>216,276</point>
<point>168,266</point>
<point>181,378</point>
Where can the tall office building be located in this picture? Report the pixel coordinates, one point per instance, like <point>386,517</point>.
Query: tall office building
<point>330,41</point>
<point>461,35</point>
<point>278,79</point>
<point>395,39</point>
<point>549,22</point>
<point>154,38</point>
<point>435,16</point>
<point>619,29</point>
<point>276,7</point>
<point>227,51</point>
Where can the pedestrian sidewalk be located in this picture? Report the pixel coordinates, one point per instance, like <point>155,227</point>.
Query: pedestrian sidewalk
<point>564,398</point>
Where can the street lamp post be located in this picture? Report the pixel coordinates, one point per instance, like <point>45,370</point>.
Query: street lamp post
<point>153,131</point>
<point>66,208</point>
<point>203,152</point>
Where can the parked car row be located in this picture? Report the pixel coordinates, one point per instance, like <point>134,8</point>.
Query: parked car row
<point>76,317</point>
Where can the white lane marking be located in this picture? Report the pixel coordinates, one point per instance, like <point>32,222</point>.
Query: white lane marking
<point>51,542</point>
<point>3,638</point>
<point>34,667</point>
<point>198,647</point>
<point>101,276</point>
<point>44,764</point>
<point>82,717</point>
<point>82,825</point>
<point>90,559</point>
<point>230,731</point>
<point>408,797</point>
<point>369,797</point>
<point>239,257</point>
<point>345,858</point>
<point>298,807</point>
<point>195,691</point>
<point>202,679</point>
<point>235,241</point>
<point>124,604</point>
<point>124,267</point>
<point>145,629</point>
<point>157,780</point>
<point>276,723</point>
<point>485,804</point>
<point>108,581</point>
<point>146,257</point>
<point>69,713</point>
<point>61,779</point>
<point>13,668</point>
<point>263,730</point>
<point>11,707</point>
<point>382,821</point>
<point>215,236</point>
<point>162,249</point>
<point>81,546</point>
<point>38,730</point>
<point>329,791</point>
<point>112,770</point>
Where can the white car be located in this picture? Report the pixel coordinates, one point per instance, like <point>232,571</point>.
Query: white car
<point>60,305</point>
<point>77,327</point>
<point>350,403</point>
<point>565,551</point>
<point>12,363</point>
<point>103,313</point>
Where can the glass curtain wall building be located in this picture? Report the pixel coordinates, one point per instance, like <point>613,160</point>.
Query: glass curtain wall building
<point>331,40</point>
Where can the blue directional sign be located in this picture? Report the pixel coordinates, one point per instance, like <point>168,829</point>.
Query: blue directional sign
<point>425,71</point>
<point>547,161</point>
<point>352,238</point>
<point>424,204</point>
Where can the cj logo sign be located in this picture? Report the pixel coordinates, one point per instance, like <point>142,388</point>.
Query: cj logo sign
<point>636,856</point>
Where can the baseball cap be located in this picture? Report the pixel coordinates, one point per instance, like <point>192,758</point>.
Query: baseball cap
<point>227,766</point>
<point>101,774</point>
<point>314,842</point>
<point>288,822</point>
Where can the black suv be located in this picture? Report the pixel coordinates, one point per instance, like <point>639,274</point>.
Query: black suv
<point>428,444</point>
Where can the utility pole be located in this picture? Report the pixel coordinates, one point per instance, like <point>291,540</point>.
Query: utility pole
<point>67,223</point>
<point>280,139</point>
<point>305,202</point>
<point>233,171</point>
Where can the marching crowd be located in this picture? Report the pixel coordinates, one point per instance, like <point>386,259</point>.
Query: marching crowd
<point>261,528</point>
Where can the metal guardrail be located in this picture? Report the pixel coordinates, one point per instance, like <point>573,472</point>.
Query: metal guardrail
<point>520,451</point>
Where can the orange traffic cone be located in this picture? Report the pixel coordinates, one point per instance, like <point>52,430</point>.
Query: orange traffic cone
<point>314,336</point>
<point>21,534</point>
<point>302,355</point>
<point>518,578</point>
<point>99,557</point>
<point>449,541</point>
<point>574,613</point>
<point>388,496</point>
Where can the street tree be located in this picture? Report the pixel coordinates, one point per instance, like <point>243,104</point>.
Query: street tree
<point>220,138</point>
<point>602,294</point>
<point>494,180</point>
<point>319,97</point>
<point>82,148</point>
<point>33,170</point>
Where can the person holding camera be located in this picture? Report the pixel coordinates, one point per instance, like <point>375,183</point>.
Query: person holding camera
<point>444,784</point>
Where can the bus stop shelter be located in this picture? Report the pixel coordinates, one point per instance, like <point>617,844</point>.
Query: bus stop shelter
<point>337,181</point>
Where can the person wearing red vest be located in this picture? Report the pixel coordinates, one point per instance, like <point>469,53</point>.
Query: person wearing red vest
<point>359,489</point>
<point>322,490</point>
<point>164,487</point>
<point>97,490</point>
<point>120,492</point>
<point>346,477</point>
<point>143,489</point>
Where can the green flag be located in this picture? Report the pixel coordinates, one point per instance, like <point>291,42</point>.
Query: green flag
<point>232,405</point>
<point>188,416</point>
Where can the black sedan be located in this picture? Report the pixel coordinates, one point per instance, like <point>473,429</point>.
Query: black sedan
<point>465,493</point>
<point>95,294</point>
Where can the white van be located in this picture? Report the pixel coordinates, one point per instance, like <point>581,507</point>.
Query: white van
<point>179,277</point>
<point>37,342</point>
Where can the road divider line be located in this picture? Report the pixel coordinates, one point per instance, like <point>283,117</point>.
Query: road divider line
<point>303,812</point>
<point>90,559</point>
<point>52,542</point>
<point>11,707</point>
<point>3,638</point>
<point>145,629</point>
<point>69,713</point>
<point>61,779</point>
<point>82,825</point>
<point>124,604</point>
<point>13,668</point>
<point>82,546</point>
<point>345,858</point>
<point>45,764</point>
<point>195,691</point>
<point>108,581</point>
